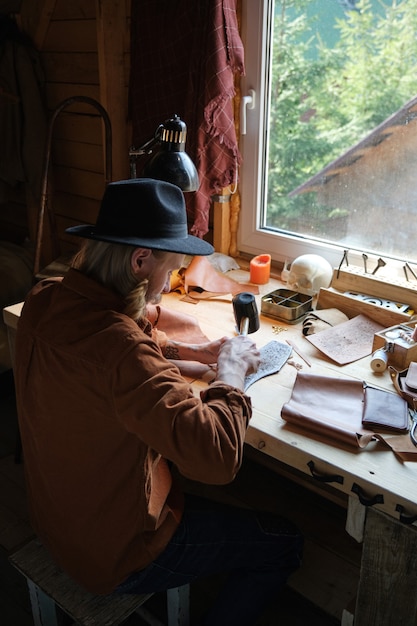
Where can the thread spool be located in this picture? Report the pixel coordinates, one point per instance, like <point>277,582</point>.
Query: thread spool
<point>379,361</point>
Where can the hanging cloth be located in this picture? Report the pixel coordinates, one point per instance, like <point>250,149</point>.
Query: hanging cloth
<point>184,56</point>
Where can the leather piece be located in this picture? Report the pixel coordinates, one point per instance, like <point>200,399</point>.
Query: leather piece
<point>348,341</point>
<point>332,409</point>
<point>200,274</point>
<point>411,377</point>
<point>385,410</point>
<point>398,379</point>
<point>177,326</point>
<point>317,321</point>
<point>273,357</point>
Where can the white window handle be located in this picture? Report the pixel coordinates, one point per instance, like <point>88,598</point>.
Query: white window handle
<point>247,102</point>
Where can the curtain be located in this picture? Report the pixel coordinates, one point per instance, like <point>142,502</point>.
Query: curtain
<point>184,56</point>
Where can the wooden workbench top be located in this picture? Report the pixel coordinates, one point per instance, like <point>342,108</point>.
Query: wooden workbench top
<point>376,469</point>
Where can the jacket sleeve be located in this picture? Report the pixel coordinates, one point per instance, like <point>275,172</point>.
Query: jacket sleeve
<point>203,435</point>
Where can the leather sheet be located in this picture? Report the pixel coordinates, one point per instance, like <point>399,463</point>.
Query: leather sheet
<point>332,409</point>
<point>202,281</point>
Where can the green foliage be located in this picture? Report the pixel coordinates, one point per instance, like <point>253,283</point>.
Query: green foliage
<point>323,103</point>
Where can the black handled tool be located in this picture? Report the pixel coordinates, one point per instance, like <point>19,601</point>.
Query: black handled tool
<point>246,313</point>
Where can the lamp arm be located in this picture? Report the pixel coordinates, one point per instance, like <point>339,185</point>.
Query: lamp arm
<point>145,148</point>
<point>148,146</point>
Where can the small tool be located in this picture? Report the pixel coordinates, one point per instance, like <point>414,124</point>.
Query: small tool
<point>344,259</point>
<point>413,415</point>
<point>407,265</point>
<point>298,351</point>
<point>379,263</point>
<point>365,259</point>
<point>246,313</point>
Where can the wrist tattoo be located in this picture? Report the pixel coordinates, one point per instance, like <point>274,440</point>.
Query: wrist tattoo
<point>171,352</point>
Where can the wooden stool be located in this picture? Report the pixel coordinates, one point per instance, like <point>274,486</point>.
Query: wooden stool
<point>50,587</point>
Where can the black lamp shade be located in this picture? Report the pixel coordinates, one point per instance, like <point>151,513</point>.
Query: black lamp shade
<point>171,163</point>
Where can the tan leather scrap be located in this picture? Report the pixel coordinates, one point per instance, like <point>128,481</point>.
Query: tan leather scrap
<point>202,281</point>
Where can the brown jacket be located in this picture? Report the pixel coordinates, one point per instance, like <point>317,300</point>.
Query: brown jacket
<point>100,411</point>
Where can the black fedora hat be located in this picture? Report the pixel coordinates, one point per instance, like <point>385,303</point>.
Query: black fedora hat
<point>146,213</point>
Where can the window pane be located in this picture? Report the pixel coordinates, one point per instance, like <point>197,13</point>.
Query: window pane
<point>341,144</point>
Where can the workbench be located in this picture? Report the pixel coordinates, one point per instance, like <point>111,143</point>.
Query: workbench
<point>378,491</point>
<point>372,482</point>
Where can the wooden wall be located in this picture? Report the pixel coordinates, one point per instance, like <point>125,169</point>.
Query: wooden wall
<point>84,48</point>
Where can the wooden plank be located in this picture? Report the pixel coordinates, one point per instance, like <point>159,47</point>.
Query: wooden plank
<point>85,156</point>
<point>58,92</point>
<point>76,208</point>
<point>79,182</point>
<point>11,315</point>
<point>35,19</point>
<point>388,579</point>
<point>75,10</point>
<point>34,562</point>
<point>81,128</point>
<point>75,67</point>
<point>234,223</point>
<point>329,298</point>
<point>71,36</point>
<point>326,580</point>
<point>221,222</point>
<point>112,43</point>
<point>382,286</point>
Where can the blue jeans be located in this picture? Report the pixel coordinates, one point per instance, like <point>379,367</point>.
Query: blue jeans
<point>258,550</point>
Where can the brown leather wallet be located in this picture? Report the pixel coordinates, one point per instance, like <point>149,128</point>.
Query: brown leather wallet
<point>384,411</point>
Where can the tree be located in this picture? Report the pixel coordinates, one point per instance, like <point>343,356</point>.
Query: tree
<point>323,103</point>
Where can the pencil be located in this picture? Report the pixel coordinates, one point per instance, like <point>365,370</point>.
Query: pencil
<point>297,350</point>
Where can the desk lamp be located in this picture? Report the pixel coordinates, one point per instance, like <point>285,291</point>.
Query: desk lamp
<point>170,163</point>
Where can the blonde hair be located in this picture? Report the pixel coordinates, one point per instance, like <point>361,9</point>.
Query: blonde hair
<point>110,265</point>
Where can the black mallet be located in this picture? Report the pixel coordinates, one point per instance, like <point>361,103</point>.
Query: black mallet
<point>246,313</point>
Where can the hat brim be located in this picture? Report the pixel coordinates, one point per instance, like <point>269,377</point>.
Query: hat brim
<point>188,245</point>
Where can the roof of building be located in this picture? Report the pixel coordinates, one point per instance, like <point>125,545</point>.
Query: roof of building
<point>397,120</point>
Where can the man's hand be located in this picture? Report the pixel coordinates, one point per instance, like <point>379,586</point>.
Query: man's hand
<point>238,357</point>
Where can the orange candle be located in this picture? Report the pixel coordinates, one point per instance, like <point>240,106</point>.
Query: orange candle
<point>260,269</point>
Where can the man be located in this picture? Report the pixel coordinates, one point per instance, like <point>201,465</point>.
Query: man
<point>104,416</point>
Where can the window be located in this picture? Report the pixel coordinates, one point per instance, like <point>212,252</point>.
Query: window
<point>330,150</point>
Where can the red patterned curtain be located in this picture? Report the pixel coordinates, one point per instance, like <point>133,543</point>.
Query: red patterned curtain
<point>184,55</point>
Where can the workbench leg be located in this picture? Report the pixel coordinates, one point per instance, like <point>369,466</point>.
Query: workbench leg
<point>178,601</point>
<point>388,579</point>
<point>43,607</point>
<point>347,619</point>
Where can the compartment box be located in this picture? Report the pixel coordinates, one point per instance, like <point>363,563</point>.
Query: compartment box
<point>286,305</point>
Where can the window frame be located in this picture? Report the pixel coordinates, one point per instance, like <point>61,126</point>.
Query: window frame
<point>251,237</point>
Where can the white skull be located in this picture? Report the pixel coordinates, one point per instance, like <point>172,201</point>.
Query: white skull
<point>308,273</point>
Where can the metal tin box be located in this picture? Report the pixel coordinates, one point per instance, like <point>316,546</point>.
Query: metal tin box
<point>286,305</point>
